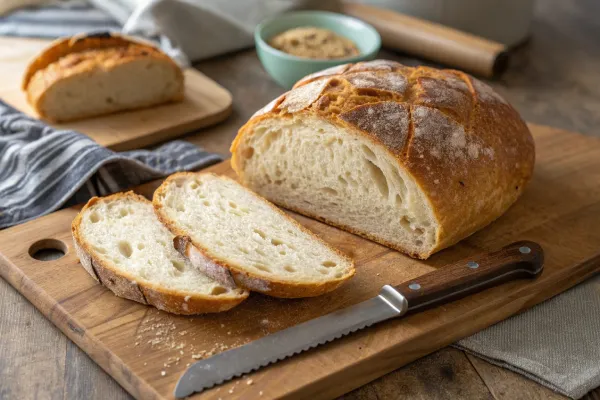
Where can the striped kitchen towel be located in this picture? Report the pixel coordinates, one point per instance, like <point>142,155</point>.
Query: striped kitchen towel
<point>58,19</point>
<point>43,169</point>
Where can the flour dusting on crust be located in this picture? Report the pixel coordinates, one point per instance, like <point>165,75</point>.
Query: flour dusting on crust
<point>269,107</point>
<point>338,69</point>
<point>368,80</point>
<point>375,65</point>
<point>388,121</point>
<point>303,96</point>
<point>451,94</point>
<point>486,94</point>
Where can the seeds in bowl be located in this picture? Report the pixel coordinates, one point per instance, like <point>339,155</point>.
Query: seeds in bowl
<point>313,42</point>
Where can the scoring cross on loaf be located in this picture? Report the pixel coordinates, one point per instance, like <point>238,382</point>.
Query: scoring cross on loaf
<point>413,158</point>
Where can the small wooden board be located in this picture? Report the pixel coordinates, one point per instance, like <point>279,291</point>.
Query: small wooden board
<point>136,344</point>
<point>205,103</point>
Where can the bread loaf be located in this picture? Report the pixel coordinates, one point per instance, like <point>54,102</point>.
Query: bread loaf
<point>123,246</point>
<point>90,75</point>
<point>239,238</point>
<point>413,158</point>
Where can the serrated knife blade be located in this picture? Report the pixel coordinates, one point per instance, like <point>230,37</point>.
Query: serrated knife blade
<point>518,260</point>
<point>277,346</point>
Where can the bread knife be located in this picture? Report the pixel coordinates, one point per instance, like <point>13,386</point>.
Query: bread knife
<point>518,260</point>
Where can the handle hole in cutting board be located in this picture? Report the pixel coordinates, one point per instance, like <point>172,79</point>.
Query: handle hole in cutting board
<point>48,249</point>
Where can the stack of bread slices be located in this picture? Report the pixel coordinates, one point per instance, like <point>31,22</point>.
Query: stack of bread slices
<point>201,245</point>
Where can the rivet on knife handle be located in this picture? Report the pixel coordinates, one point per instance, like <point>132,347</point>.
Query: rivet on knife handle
<point>452,282</point>
<point>518,260</point>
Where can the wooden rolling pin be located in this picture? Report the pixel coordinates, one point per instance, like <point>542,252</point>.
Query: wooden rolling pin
<point>433,41</point>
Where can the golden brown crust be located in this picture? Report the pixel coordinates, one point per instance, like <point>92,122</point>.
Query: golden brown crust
<point>125,285</point>
<point>466,148</point>
<point>82,54</point>
<point>76,44</point>
<point>246,279</point>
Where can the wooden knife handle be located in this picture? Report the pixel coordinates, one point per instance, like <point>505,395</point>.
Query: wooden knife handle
<point>433,41</point>
<point>518,260</point>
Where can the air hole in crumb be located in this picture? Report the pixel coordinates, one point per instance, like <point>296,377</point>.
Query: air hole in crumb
<point>328,264</point>
<point>219,243</point>
<point>368,152</point>
<point>94,217</point>
<point>419,231</point>
<point>278,172</point>
<point>278,182</point>
<point>294,186</point>
<point>179,183</point>
<point>123,212</point>
<point>243,250</point>
<point>110,100</point>
<point>276,242</point>
<point>262,267</point>
<point>194,185</point>
<point>232,204</point>
<point>419,243</point>
<point>398,199</point>
<point>329,191</point>
<point>217,290</point>
<point>206,203</point>
<point>323,271</point>
<point>178,265</point>
<point>342,181</point>
<point>125,248</point>
<point>141,246</point>
<point>339,275</point>
<point>291,246</point>
<point>262,253</point>
<point>260,233</point>
<point>289,268</point>
<point>283,149</point>
<point>248,152</point>
<point>405,223</point>
<point>180,208</point>
<point>282,252</point>
<point>379,178</point>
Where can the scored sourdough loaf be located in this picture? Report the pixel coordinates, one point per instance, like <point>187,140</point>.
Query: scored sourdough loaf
<point>237,237</point>
<point>122,245</point>
<point>94,74</point>
<point>413,158</point>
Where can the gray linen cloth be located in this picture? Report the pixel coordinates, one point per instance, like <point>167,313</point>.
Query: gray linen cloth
<point>556,343</point>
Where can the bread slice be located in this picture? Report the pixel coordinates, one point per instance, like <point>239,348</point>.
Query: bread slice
<point>236,236</point>
<point>122,245</point>
<point>90,75</point>
<point>413,158</point>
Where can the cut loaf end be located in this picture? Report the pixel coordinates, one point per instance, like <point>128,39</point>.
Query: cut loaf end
<point>236,236</point>
<point>122,245</point>
<point>314,167</point>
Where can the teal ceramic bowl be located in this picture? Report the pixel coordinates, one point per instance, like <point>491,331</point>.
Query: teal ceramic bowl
<point>287,69</point>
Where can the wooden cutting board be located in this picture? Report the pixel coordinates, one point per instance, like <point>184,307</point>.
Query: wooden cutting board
<point>146,350</point>
<point>205,103</point>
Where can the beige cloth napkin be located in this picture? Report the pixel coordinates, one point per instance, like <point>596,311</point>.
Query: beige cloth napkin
<point>556,343</point>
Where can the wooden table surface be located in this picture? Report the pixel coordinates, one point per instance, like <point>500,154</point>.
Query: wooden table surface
<point>553,80</point>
